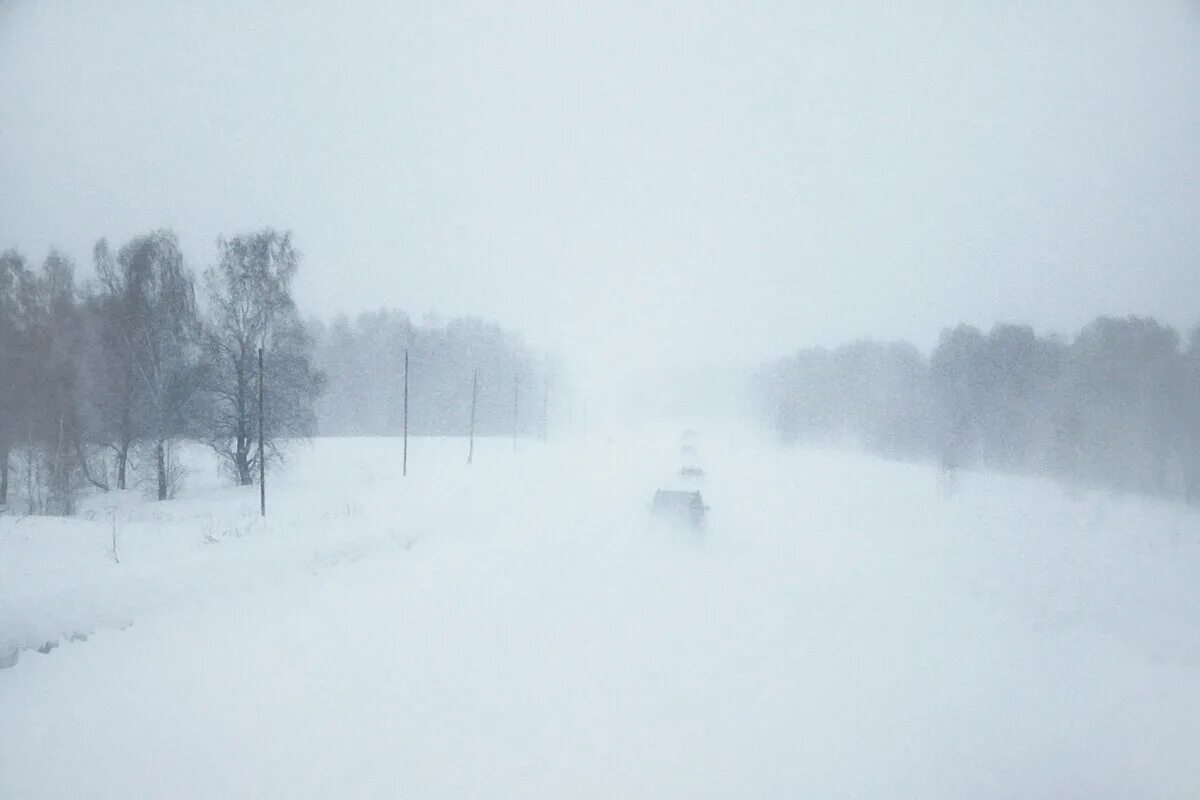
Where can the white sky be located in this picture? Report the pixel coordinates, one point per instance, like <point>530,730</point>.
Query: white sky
<point>642,182</point>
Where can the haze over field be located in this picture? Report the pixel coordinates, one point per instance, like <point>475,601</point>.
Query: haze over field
<point>659,182</point>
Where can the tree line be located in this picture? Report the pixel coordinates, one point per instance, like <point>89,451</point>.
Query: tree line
<point>1116,406</point>
<point>100,377</point>
<point>364,361</point>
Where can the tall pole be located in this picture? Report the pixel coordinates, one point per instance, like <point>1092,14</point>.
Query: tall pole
<point>474,395</point>
<point>262,455</point>
<point>405,466</point>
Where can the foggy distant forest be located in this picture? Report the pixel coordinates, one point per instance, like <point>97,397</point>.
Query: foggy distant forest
<point>105,376</point>
<point>1116,406</point>
<point>363,361</point>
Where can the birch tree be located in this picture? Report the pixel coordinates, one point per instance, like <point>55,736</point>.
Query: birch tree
<point>16,299</point>
<point>250,306</point>
<point>154,323</point>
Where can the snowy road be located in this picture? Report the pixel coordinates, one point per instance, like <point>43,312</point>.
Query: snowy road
<point>517,630</point>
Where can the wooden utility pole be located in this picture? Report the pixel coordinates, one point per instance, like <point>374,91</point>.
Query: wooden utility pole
<point>474,396</point>
<point>262,454</point>
<point>404,468</point>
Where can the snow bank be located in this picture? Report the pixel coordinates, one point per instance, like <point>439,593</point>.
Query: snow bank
<point>518,629</point>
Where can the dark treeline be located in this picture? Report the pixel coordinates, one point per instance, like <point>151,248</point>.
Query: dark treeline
<point>1117,406</point>
<point>100,379</point>
<point>364,362</point>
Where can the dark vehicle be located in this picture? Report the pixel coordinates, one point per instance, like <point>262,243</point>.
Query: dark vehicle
<point>679,506</point>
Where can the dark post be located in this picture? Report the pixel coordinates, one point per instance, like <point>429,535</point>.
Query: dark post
<point>474,395</point>
<point>262,454</point>
<point>405,466</point>
<point>4,475</point>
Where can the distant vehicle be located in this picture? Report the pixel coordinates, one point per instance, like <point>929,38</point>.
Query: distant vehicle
<point>692,472</point>
<point>685,507</point>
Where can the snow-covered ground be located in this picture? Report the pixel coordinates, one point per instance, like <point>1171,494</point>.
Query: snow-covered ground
<point>518,628</point>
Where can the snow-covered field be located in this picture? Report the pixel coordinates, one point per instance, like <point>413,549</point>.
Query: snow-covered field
<point>518,628</point>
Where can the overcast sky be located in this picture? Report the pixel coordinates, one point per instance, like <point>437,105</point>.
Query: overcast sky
<point>658,181</point>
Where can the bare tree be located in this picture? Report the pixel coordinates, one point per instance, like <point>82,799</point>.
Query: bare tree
<point>17,291</point>
<point>250,306</point>
<point>109,370</point>
<point>53,428</point>
<point>152,314</point>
